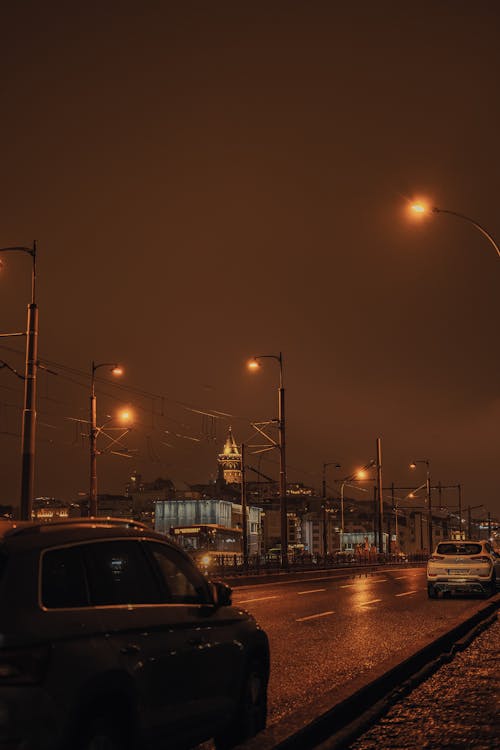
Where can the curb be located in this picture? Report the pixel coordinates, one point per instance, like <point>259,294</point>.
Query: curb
<point>342,715</point>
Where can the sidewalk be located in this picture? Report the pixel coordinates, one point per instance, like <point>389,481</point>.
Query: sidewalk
<point>458,707</point>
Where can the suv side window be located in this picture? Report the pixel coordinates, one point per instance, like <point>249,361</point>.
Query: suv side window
<point>119,573</point>
<point>63,579</point>
<point>184,583</point>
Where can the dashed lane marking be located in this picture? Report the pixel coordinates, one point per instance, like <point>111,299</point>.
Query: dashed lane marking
<point>372,601</point>
<point>259,599</point>
<point>312,617</point>
<point>311,591</point>
<point>406,593</point>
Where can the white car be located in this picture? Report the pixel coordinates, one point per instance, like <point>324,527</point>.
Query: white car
<point>463,566</point>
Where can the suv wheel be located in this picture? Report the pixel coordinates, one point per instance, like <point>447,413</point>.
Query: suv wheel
<point>251,713</point>
<point>431,591</point>
<point>103,733</point>
<point>492,586</point>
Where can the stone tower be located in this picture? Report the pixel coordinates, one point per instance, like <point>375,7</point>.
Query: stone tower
<point>230,460</point>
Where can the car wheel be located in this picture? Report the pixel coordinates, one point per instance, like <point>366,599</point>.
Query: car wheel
<point>492,586</point>
<point>103,734</point>
<point>251,713</point>
<point>431,591</point>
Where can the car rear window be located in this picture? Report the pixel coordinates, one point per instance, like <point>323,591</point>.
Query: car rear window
<point>450,548</point>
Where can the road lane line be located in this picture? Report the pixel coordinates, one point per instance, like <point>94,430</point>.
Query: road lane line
<point>406,593</point>
<point>259,599</point>
<point>398,578</point>
<point>379,580</point>
<point>311,591</point>
<point>372,601</point>
<point>312,617</point>
<point>346,585</point>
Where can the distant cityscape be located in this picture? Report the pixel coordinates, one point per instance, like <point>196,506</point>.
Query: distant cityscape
<point>314,521</point>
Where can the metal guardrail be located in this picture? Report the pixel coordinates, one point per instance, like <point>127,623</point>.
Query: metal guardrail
<point>235,565</point>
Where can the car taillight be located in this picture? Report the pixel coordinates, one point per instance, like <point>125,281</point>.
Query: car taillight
<point>481,558</point>
<point>436,557</point>
<point>23,666</point>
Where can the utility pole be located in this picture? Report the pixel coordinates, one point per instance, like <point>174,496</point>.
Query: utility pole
<point>325,512</point>
<point>380,497</point>
<point>282,447</point>
<point>244,529</point>
<point>460,509</point>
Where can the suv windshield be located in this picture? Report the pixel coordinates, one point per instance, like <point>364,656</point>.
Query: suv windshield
<point>450,548</point>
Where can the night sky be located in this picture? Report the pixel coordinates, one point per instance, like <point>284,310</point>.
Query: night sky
<point>211,180</point>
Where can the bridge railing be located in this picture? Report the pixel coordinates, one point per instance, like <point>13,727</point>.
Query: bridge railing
<point>233,564</point>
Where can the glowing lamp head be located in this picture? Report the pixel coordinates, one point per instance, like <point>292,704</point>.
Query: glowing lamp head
<point>361,474</point>
<point>253,364</point>
<point>117,370</point>
<point>125,416</point>
<point>418,208</point>
<point>413,465</point>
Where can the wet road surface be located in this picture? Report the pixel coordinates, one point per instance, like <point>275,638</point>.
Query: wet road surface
<point>326,630</point>
<point>458,707</point>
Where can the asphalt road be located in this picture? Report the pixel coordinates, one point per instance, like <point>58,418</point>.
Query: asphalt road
<point>326,629</point>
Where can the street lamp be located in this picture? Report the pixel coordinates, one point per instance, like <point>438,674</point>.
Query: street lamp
<point>29,408</point>
<point>360,476</point>
<point>254,364</point>
<point>413,465</point>
<point>116,370</point>
<point>325,515</point>
<point>421,209</point>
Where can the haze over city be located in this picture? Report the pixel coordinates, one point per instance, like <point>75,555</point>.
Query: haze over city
<point>212,181</point>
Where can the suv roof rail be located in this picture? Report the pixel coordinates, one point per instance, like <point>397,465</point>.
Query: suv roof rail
<point>34,527</point>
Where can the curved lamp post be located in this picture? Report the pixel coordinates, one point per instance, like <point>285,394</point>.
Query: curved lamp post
<point>116,370</point>
<point>254,364</point>
<point>413,465</point>
<point>420,208</point>
<point>29,408</point>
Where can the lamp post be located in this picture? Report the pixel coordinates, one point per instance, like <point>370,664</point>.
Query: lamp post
<point>116,370</point>
<point>422,209</point>
<point>413,465</point>
<point>359,475</point>
<point>29,408</point>
<point>253,364</point>
<point>325,514</point>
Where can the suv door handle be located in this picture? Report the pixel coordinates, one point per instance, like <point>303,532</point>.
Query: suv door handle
<point>130,648</point>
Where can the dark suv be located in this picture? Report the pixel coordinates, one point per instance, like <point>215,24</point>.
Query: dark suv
<point>111,638</point>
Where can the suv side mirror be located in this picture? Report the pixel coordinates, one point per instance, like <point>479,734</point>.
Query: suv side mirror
<point>222,594</point>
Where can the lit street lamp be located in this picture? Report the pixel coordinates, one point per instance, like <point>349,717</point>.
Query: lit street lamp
<point>325,515</point>
<point>254,364</point>
<point>29,408</point>
<point>422,209</point>
<point>360,476</point>
<point>413,465</point>
<point>116,370</point>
